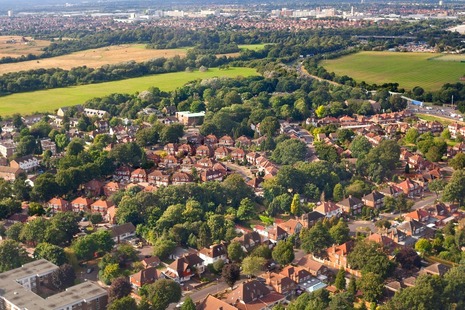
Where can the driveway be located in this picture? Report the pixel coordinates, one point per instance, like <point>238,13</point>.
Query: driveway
<point>362,226</point>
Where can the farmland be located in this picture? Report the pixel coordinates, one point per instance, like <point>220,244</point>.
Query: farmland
<point>14,46</point>
<point>49,100</point>
<point>407,69</point>
<point>94,58</point>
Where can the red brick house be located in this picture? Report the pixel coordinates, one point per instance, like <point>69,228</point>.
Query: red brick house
<point>81,204</point>
<point>58,205</point>
<point>139,175</point>
<point>159,178</point>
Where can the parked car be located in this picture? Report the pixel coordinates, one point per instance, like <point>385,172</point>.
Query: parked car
<point>90,270</point>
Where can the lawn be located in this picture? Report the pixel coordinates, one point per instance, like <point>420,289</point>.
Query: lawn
<point>407,69</point>
<point>52,99</point>
<point>254,47</point>
<point>94,58</point>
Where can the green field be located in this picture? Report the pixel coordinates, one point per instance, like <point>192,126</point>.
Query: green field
<point>52,99</point>
<point>407,69</point>
<point>254,47</point>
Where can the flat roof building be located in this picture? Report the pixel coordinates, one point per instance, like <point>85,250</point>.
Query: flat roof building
<point>19,287</point>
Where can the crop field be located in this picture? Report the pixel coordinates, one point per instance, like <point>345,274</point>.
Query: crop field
<point>407,69</point>
<point>14,46</point>
<point>94,58</point>
<point>52,99</point>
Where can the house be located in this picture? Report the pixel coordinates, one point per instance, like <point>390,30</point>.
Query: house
<point>315,268</point>
<point>48,145</point>
<point>186,149</point>
<point>58,205</point>
<point>7,148</point>
<point>238,154</point>
<point>253,295</point>
<point>419,215</point>
<point>143,277</point>
<point>159,178</point>
<point>81,204</point>
<point>211,140</point>
<point>122,173</point>
<point>252,158</point>
<point>374,200</point>
<point>297,274</point>
<point>337,254</point>
<point>169,110</point>
<point>93,188</point>
<point>180,178</point>
<point>243,142</point>
<point>185,267</point>
<point>9,173</point>
<point>20,288</point>
<point>170,161</point>
<point>94,112</point>
<point>207,175</point>
<point>138,176</point>
<point>212,303</point>
<point>121,232</point>
<point>204,151</point>
<point>328,209</point>
<point>351,205</point>
<point>226,141</point>
<point>436,269</point>
<point>291,226</point>
<point>386,243</point>
<point>25,163</point>
<point>221,152</point>
<point>152,261</point>
<point>214,253</point>
<point>101,206</point>
<point>391,191</point>
<point>112,187</point>
<point>249,241</point>
<point>188,118</point>
<point>31,119</point>
<point>309,219</point>
<point>410,188</point>
<point>412,228</point>
<point>280,283</point>
<point>171,148</point>
<point>64,110</point>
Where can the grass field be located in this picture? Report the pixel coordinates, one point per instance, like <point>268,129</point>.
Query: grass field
<point>94,58</point>
<point>49,100</point>
<point>19,48</point>
<point>255,47</point>
<point>450,57</point>
<point>407,69</point>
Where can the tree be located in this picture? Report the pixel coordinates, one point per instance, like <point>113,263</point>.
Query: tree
<point>147,136</point>
<point>360,146</point>
<point>253,265</point>
<point>246,210</point>
<point>12,255</point>
<point>296,208</point>
<point>289,152</point>
<point>34,231</point>
<point>268,126</point>
<point>262,251</point>
<point>163,247</point>
<point>231,273</point>
<point>14,231</point>
<point>434,154</point>
<point>412,135</point>
<point>75,147</point>
<point>283,252</point>
<point>110,272</point>
<point>128,153</point>
<point>124,303</point>
<point>368,256</point>
<point>35,209</point>
<point>63,277</point>
<point>352,288</point>
<point>316,239</point>
<point>458,162</point>
<point>50,252</point>
<point>340,232</point>
<point>340,282</point>
<point>455,189</point>
<point>162,292</point>
<point>188,304</point>
<point>119,288</point>
<point>341,301</point>
<point>408,258</point>
<point>235,251</point>
<point>372,286</point>
<point>437,186</point>
<point>338,192</point>
<point>45,187</point>
<point>423,246</point>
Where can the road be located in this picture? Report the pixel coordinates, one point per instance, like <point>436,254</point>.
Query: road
<point>425,202</point>
<point>362,226</point>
